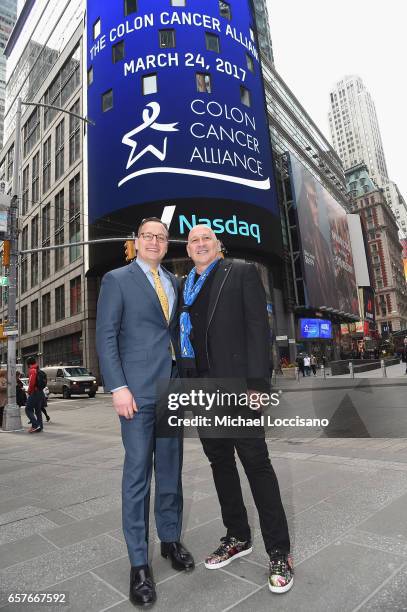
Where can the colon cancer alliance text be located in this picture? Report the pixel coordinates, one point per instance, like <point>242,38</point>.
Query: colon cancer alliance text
<point>239,421</point>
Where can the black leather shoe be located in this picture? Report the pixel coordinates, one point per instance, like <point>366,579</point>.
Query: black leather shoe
<point>142,588</point>
<point>181,559</point>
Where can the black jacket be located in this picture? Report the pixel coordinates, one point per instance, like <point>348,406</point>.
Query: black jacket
<point>238,333</point>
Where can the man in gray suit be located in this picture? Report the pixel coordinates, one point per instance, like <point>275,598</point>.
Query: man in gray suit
<point>136,332</point>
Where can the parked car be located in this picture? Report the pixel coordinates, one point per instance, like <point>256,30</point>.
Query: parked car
<point>25,385</point>
<point>70,380</point>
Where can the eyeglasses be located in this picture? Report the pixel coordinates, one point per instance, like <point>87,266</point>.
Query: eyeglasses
<point>148,237</point>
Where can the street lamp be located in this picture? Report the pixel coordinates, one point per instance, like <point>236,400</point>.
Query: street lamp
<point>11,414</point>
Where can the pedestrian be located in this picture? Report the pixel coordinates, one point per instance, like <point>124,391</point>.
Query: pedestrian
<point>300,364</point>
<point>21,395</point>
<point>37,381</point>
<point>307,365</point>
<point>3,393</point>
<point>314,364</point>
<point>136,333</point>
<point>224,334</point>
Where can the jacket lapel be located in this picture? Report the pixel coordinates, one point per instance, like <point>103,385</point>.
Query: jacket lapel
<point>220,277</point>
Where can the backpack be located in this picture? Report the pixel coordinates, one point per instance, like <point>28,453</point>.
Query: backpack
<point>41,380</point>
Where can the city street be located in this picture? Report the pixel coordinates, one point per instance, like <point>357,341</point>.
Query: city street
<point>346,500</point>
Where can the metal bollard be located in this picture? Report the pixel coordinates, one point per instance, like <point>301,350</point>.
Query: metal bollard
<point>323,371</point>
<point>297,373</point>
<point>351,372</point>
<point>384,373</point>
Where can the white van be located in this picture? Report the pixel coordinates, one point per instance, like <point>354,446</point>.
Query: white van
<point>70,380</point>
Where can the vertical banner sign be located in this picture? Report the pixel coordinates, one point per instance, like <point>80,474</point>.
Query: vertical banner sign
<point>177,97</point>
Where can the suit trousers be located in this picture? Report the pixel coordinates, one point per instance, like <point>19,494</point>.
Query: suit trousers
<point>143,451</point>
<point>254,456</point>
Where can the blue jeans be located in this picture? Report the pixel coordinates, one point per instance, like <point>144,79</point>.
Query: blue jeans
<point>33,408</point>
<point>142,451</point>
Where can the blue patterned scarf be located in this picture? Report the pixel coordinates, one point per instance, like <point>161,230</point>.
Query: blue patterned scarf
<point>191,292</point>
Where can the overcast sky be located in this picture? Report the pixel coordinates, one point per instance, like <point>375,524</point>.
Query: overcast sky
<point>317,42</point>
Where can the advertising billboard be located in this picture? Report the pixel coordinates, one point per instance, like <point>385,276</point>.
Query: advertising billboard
<point>328,267</point>
<point>177,98</point>
<point>368,305</point>
<point>311,329</point>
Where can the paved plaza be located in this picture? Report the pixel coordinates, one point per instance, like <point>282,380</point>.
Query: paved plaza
<point>60,520</point>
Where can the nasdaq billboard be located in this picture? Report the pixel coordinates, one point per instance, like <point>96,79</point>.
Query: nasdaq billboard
<point>177,98</point>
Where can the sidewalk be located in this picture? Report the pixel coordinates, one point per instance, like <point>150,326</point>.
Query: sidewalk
<point>60,522</point>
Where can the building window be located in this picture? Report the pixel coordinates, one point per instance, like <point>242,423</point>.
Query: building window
<point>118,52</point>
<point>25,196</point>
<point>24,260</point>
<point>107,100</point>
<point>10,162</point>
<point>74,134</point>
<point>63,86</point>
<point>245,96</point>
<point>75,296</point>
<point>34,269</point>
<point>31,131</point>
<point>24,319</point>
<point>34,315</point>
<point>59,149</point>
<point>224,9</point>
<point>74,216</point>
<point>46,165</point>
<point>97,28</point>
<point>46,309</point>
<point>178,2</point>
<point>34,256</point>
<point>59,230</point>
<point>130,6</point>
<point>250,62</point>
<point>46,241</point>
<point>212,42</point>
<point>35,179</point>
<point>24,276</point>
<point>149,84</point>
<point>203,82</point>
<point>167,39</point>
<point>60,303</point>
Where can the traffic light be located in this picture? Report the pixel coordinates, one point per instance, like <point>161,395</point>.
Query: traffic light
<point>129,250</point>
<point>6,253</point>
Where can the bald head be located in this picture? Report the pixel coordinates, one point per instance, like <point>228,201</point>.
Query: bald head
<point>203,247</point>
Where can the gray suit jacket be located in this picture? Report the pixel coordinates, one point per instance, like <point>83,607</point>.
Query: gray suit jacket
<point>133,339</point>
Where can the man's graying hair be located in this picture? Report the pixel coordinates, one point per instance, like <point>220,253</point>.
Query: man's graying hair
<point>156,220</point>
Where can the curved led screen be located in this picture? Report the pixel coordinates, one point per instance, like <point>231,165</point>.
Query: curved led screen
<point>177,98</point>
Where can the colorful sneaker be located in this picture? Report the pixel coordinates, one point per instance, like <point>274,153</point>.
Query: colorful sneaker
<point>230,549</point>
<point>281,577</point>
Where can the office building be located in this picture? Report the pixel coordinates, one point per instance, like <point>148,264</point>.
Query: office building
<point>384,249</point>
<point>355,129</point>
<point>8,15</point>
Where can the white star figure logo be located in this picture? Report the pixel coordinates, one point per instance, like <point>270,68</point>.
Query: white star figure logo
<point>150,114</point>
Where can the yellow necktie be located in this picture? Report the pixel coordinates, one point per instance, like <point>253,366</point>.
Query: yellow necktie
<point>162,296</point>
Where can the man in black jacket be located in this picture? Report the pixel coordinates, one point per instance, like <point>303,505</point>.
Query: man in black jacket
<point>225,334</point>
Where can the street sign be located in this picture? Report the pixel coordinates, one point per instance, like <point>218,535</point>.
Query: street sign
<point>4,281</point>
<point>10,332</point>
